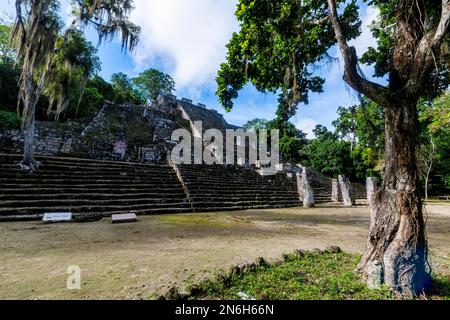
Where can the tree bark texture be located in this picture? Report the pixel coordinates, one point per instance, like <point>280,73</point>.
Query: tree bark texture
<point>396,253</point>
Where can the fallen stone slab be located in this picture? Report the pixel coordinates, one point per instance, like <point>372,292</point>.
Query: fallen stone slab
<point>124,218</point>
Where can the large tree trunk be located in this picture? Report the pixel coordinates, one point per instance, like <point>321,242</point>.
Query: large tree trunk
<point>396,253</point>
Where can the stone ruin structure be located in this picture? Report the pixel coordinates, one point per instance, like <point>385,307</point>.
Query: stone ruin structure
<point>118,163</point>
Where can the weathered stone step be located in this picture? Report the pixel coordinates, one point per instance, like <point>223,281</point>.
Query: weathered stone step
<point>85,184</point>
<point>81,189</point>
<point>238,197</point>
<point>216,168</point>
<point>205,189</point>
<point>219,171</point>
<point>102,164</point>
<point>204,167</point>
<point>38,216</point>
<point>209,204</point>
<point>250,180</point>
<point>237,186</point>
<point>90,208</point>
<point>224,172</point>
<point>234,181</point>
<point>248,191</point>
<point>83,175</point>
<point>14,158</point>
<point>64,168</point>
<point>85,202</point>
<point>222,175</point>
<point>73,181</point>
<point>92,196</point>
<point>248,195</point>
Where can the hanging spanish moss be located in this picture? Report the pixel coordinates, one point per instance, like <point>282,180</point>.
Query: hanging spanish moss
<point>43,50</point>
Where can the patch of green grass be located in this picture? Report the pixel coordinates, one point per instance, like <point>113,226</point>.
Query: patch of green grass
<point>312,276</point>
<point>440,287</point>
<point>194,220</point>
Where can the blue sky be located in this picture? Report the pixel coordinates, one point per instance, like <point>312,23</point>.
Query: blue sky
<point>187,38</point>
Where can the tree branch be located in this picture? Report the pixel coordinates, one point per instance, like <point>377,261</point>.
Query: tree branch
<point>444,24</point>
<point>426,52</point>
<point>373,91</point>
<point>320,21</point>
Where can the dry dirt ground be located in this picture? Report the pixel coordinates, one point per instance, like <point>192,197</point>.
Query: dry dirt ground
<point>138,260</point>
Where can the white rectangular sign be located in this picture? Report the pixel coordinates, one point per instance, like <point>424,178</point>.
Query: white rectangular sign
<point>57,217</point>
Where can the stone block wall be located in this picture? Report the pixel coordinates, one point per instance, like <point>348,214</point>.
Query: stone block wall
<point>51,138</point>
<point>118,132</point>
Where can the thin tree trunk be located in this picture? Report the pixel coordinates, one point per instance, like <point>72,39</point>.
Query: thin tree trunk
<point>29,131</point>
<point>396,253</point>
<point>28,162</point>
<point>430,167</point>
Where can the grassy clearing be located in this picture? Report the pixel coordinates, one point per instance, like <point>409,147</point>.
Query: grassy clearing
<point>208,220</point>
<point>311,276</point>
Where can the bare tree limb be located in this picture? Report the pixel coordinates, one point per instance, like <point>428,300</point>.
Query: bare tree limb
<point>374,91</point>
<point>320,21</point>
<point>444,24</point>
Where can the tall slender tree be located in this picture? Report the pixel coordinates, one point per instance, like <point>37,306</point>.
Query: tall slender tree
<point>278,45</point>
<point>35,38</point>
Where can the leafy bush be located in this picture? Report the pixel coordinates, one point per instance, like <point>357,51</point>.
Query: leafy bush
<point>9,120</point>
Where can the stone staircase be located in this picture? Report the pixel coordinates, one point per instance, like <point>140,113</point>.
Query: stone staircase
<point>88,188</point>
<point>225,187</point>
<point>321,186</point>
<point>321,194</point>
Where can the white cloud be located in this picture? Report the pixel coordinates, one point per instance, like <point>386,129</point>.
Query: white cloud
<point>7,11</point>
<point>186,37</point>
<point>366,39</point>
<point>307,125</point>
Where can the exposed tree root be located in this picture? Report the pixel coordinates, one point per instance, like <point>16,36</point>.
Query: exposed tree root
<point>29,166</point>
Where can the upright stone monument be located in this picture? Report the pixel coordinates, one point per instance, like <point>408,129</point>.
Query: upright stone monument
<point>371,187</point>
<point>120,147</point>
<point>299,186</point>
<point>334,190</point>
<point>305,190</point>
<point>347,192</point>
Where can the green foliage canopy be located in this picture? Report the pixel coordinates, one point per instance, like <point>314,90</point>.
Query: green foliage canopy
<point>278,45</point>
<point>124,89</point>
<point>6,52</point>
<point>154,83</point>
